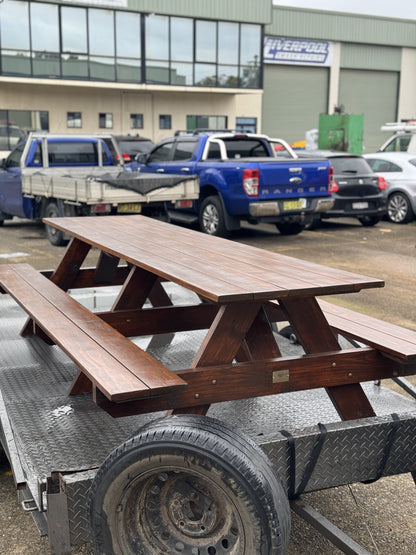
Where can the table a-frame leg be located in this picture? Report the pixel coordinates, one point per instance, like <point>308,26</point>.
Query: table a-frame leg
<point>315,335</point>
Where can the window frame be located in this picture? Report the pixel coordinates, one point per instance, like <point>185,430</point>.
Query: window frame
<point>168,118</point>
<point>223,62</point>
<point>73,120</point>
<point>107,118</point>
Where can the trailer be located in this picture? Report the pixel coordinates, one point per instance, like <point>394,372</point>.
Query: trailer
<point>246,438</point>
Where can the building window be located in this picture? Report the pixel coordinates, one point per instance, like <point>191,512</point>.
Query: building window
<point>73,119</point>
<point>128,47</point>
<point>165,121</point>
<point>246,125</point>
<point>15,124</point>
<point>136,121</point>
<point>74,42</point>
<point>105,121</point>
<point>206,122</point>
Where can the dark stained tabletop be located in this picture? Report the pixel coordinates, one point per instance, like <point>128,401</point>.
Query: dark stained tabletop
<point>218,269</point>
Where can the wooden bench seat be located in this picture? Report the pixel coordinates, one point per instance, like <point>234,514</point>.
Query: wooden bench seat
<point>395,341</point>
<point>110,362</point>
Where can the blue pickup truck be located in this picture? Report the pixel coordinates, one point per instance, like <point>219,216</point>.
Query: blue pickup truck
<point>246,177</point>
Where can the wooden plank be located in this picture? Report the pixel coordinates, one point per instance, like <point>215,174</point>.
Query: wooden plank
<point>226,334</point>
<point>316,336</point>
<point>158,296</point>
<point>150,321</point>
<point>252,261</point>
<point>260,342</point>
<point>389,338</point>
<point>233,381</point>
<point>214,270</point>
<point>87,277</point>
<point>144,255</point>
<point>120,368</point>
<point>135,289</point>
<point>223,340</point>
<point>106,268</point>
<point>67,271</point>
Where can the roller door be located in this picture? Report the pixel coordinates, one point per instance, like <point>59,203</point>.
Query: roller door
<point>374,94</point>
<point>293,98</point>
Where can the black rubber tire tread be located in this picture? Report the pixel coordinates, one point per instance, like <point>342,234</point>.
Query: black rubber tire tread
<point>315,223</point>
<point>219,446</point>
<point>292,228</point>
<point>368,221</point>
<point>221,230</point>
<point>55,236</point>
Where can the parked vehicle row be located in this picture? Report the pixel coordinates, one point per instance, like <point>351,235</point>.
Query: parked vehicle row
<point>242,177</point>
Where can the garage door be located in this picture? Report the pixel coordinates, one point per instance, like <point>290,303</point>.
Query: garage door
<point>293,99</point>
<point>374,94</point>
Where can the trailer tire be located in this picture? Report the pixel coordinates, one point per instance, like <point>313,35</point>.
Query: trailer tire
<point>189,484</point>
<point>55,236</point>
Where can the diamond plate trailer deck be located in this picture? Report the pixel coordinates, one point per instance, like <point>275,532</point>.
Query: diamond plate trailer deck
<point>56,443</point>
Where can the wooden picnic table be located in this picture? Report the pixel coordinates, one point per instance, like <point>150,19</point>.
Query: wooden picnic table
<point>242,290</point>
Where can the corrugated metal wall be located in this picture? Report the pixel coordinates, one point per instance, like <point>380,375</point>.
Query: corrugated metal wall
<point>374,94</point>
<point>293,98</point>
<point>249,11</point>
<point>258,11</point>
<point>314,24</point>
<point>369,57</point>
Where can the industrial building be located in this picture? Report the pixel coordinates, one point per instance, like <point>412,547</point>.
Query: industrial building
<point>154,66</point>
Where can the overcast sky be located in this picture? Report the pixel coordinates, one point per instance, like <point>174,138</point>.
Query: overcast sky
<point>405,9</point>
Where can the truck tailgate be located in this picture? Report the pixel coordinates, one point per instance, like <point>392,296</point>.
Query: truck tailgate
<point>287,178</point>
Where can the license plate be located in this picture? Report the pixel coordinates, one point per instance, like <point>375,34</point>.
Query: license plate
<point>129,207</point>
<point>294,204</point>
<point>359,205</point>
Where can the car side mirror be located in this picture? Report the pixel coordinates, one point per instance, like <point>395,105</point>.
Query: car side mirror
<point>141,158</point>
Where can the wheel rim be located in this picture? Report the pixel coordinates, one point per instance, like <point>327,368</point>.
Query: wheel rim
<point>397,209</point>
<point>178,512</point>
<point>210,219</point>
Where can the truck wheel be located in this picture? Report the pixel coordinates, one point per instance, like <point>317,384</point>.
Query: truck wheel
<point>368,221</point>
<point>211,217</point>
<point>55,236</point>
<point>188,484</point>
<point>290,228</point>
<point>399,210</point>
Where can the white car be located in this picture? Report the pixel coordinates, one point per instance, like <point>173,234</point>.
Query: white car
<point>399,170</point>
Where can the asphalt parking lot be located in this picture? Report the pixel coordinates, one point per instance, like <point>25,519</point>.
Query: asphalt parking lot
<point>380,516</point>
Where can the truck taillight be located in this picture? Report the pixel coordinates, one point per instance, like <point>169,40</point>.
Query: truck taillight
<point>100,208</point>
<point>382,183</point>
<point>332,185</point>
<point>251,182</point>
